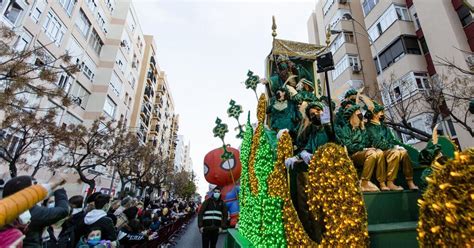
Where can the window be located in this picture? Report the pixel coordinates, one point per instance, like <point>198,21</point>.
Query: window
<point>337,43</point>
<point>83,24</point>
<point>109,107</point>
<point>31,100</point>
<point>70,119</point>
<point>414,17</point>
<point>131,80</point>
<point>424,46</point>
<point>422,81</point>
<point>343,64</point>
<point>327,6</point>
<point>121,62</point>
<point>23,40</point>
<point>131,22</point>
<point>95,42</point>
<point>13,142</point>
<point>421,122</point>
<point>349,37</point>
<point>88,68</point>
<point>54,28</point>
<point>79,95</point>
<point>394,52</point>
<point>91,5</point>
<point>465,15</point>
<point>411,45</point>
<point>110,5</point>
<point>116,84</point>
<point>368,5</point>
<point>68,5</point>
<point>338,17</point>
<point>65,81</point>
<point>13,12</point>
<point>36,14</point>
<point>126,41</point>
<point>101,20</point>
<point>402,13</point>
<point>58,110</point>
<point>392,14</point>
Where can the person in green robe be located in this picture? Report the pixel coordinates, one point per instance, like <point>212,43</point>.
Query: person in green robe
<point>340,121</point>
<point>354,138</point>
<point>305,93</point>
<point>381,137</point>
<point>287,74</point>
<point>314,136</point>
<point>283,113</point>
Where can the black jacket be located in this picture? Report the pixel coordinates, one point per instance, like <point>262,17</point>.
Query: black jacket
<point>98,218</point>
<point>213,214</point>
<point>42,217</point>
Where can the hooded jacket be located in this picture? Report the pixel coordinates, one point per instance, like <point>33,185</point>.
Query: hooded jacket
<point>98,218</point>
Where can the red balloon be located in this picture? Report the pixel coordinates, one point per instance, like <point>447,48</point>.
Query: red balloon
<point>219,172</point>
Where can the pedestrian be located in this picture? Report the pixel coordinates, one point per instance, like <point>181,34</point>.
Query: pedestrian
<point>41,217</point>
<point>212,218</point>
<point>98,218</point>
<point>93,239</point>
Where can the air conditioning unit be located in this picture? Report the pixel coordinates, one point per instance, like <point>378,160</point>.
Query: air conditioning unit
<point>356,68</point>
<point>343,1</point>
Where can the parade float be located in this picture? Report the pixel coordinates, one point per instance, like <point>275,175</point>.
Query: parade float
<point>291,198</point>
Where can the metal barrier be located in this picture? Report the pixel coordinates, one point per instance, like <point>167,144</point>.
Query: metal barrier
<point>166,232</point>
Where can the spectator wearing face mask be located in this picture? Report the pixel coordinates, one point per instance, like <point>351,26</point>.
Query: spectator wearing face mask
<point>97,218</point>
<point>212,218</point>
<point>93,239</point>
<point>41,217</point>
<point>14,214</point>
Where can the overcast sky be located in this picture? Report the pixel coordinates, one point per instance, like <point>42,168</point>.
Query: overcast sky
<point>206,49</point>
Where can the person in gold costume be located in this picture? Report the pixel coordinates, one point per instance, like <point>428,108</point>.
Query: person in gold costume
<point>382,138</point>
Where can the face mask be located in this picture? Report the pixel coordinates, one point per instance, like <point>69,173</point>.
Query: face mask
<point>51,205</point>
<point>93,242</point>
<point>382,118</point>
<point>24,218</point>
<point>316,120</point>
<point>360,116</point>
<point>216,195</point>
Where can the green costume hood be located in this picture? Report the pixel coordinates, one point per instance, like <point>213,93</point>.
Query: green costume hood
<point>348,112</point>
<point>351,92</point>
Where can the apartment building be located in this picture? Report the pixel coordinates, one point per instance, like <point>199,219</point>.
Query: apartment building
<point>408,36</point>
<point>349,45</point>
<point>411,36</point>
<point>179,159</point>
<point>118,70</point>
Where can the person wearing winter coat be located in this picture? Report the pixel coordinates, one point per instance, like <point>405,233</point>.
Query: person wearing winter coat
<point>212,218</point>
<point>93,239</point>
<point>97,218</point>
<point>41,217</point>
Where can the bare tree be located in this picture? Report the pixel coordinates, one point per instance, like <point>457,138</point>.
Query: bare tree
<point>29,71</point>
<point>84,149</point>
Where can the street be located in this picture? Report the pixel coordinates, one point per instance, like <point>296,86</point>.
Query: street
<point>192,238</point>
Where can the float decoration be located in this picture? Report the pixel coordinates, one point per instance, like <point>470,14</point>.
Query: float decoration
<point>278,187</point>
<point>234,111</point>
<point>447,206</point>
<point>252,82</point>
<point>333,192</point>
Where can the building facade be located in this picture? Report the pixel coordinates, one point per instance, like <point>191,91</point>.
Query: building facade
<point>119,78</point>
<point>349,45</point>
<point>409,37</point>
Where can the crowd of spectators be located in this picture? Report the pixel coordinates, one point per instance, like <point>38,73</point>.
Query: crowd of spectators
<point>95,221</point>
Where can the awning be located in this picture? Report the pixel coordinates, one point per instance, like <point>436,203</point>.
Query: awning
<point>296,49</point>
